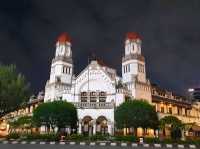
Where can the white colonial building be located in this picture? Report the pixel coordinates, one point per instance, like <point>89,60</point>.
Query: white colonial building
<point>97,89</point>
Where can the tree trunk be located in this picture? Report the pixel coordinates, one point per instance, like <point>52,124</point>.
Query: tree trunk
<point>48,128</point>
<point>135,131</point>
<point>53,128</point>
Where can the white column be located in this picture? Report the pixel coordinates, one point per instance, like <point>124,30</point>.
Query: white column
<point>69,130</point>
<point>110,129</point>
<point>94,127</point>
<point>183,135</point>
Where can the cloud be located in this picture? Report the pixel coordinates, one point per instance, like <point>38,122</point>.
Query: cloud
<point>170,31</point>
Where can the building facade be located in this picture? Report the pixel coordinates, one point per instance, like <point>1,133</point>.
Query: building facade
<point>97,89</point>
<point>25,110</point>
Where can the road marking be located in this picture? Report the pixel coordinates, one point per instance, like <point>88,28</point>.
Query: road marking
<point>23,142</point>
<point>62,143</point>
<point>5,142</point>
<point>72,143</point>
<point>169,145</point>
<point>145,145</point>
<point>32,142</point>
<point>14,142</point>
<point>113,144</point>
<point>102,144</point>
<point>180,146</point>
<point>157,145</point>
<point>134,144</point>
<point>42,143</point>
<point>82,143</point>
<point>123,144</point>
<point>192,146</point>
<point>92,143</point>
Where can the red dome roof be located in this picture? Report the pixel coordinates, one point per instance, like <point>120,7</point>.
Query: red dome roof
<point>64,37</point>
<point>133,36</point>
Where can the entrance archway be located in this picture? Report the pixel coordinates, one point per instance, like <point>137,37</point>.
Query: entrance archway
<point>102,125</point>
<point>87,127</point>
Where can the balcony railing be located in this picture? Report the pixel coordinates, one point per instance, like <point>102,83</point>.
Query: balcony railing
<point>94,105</point>
<point>184,118</point>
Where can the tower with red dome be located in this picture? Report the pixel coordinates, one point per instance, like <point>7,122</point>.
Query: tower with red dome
<point>63,46</point>
<point>133,67</point>
<point>61,69</point>
<point>133,43</point>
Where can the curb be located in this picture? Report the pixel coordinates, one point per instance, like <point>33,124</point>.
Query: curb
<point>113,144</point>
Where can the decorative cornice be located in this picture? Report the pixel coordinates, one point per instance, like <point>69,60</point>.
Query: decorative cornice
<point>133,56</point>
<point>61,58</point>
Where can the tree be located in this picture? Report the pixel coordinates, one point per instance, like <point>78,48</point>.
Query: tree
<point>175,124</point>
<point>134,114</point>
<point>13,126</point>
<point>24,123</point>
<point>14,90</point>
<point>170,120</point>
<point>59,114</point>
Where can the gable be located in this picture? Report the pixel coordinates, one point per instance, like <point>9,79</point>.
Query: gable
<point>98,79</point>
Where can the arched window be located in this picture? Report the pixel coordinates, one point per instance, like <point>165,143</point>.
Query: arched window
<point>83,96</point>
<point>93,97</point>
<point>102,96</point>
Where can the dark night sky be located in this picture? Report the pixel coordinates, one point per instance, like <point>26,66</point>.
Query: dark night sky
<point>170,30</point>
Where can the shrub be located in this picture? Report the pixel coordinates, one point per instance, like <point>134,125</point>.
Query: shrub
<point>176,133</point>
<point>32,136</point>
<point>45,137</point>
<point>167,141</point>
<point>188,141</point>
<point>98,137</point>
<point>126,138</point>
<point>77,137</point>
<point>49,137</point>
<point>13,135</point>
<point>151,140</point>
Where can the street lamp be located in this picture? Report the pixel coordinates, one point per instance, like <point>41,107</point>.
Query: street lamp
<point>190,90</point>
